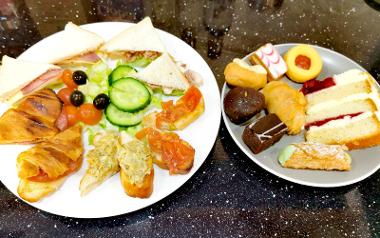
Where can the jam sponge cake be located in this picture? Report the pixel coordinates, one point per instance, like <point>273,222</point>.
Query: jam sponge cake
<point>343,110</point>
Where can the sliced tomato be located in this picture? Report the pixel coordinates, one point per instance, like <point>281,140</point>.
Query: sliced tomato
<point>186,104</point>
<point>71,114</point>
<point>64,94</point>
<point>89,115</point>
<point>176,153</point>
<point>67,78</point>
<point>44,177</point>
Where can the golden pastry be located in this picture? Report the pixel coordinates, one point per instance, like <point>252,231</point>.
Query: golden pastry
<point>308,155</point>
<point>287,103</point>
<point>239,73</point>
<point>304,63</point>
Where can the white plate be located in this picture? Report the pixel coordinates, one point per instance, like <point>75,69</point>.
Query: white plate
<point>364,162</point>
<point>109,199</point>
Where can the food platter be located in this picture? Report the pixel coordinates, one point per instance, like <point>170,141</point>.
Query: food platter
<point>364,161</point>
<point>109,199</point>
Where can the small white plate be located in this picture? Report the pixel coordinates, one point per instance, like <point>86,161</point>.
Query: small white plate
<point>364,162</point>
<point>109,199</point>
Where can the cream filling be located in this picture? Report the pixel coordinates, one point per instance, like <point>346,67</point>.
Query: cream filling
<point>350,76</point>
<point>345,121</point>
<point>255,68</point>
<point>374,96</point>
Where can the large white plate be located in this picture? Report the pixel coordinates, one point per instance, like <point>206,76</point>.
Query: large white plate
<point>364,162</point>
<point>109,199</point>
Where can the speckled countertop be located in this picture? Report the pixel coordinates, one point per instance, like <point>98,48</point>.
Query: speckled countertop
<point>230,196</point>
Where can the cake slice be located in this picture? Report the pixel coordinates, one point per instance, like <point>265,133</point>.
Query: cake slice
<point>343,110</point>
<point>355,132</point>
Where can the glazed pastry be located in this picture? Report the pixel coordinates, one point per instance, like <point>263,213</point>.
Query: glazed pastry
<point>263,133</point>
<point>32,120</point>
<point>239,73</point>
<point>287,103</point>
<point>241,104</point>
<point>272,61</point>
<point>304,63</point>
<point>43,168</point>
<point>308,155</point>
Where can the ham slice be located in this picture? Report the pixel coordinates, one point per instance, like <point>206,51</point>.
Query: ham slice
<point>62,123</point>
<point>45,79</point>
<point>89,58</point>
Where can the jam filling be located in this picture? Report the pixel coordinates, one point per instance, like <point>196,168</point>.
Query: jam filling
<point>322,122</point>
<point>314,85</point>
<point>303,62</point>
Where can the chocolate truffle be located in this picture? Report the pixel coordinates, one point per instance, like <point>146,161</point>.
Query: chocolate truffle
<point>263,133</point>
<point>241,104</point>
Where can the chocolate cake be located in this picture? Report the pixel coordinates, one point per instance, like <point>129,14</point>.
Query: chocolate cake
<point>263,133</point>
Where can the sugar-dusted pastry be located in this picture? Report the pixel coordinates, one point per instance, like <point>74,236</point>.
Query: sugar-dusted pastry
<point>304,63</point>
<point>241,104</point>
<point>263,133</point>
<point>287,103</point>
<point>272,61</point>
<point>309,155</point>
<point>239,73</point>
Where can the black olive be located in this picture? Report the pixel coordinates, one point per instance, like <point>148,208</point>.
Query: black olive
<point>77,98</point>
<point>101,101</point>
<point>79,77</point>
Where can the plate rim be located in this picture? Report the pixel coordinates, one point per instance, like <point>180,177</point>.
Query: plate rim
<point>88,26</point>
<point>250,155</point>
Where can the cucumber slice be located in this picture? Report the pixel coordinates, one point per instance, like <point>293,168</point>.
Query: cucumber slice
<point>129,94</point>
<point>121,71</point>
<point>121,118</point>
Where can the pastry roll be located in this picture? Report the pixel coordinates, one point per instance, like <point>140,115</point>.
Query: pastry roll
<point>287,103</point>
<point>309,155</point>
<point>44,167</point>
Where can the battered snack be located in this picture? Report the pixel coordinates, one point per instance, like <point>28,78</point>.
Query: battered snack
<point>239,73</point>
<point>309,155</point>
<point>287,103</point>
<point>272,61</point>
<point>304,63</point>
<point>263,133</point>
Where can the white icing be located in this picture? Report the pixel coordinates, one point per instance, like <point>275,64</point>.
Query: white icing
<point>272,60</point>
<point>262,136</point>
<point>256,68</point>
<point>344,121</point>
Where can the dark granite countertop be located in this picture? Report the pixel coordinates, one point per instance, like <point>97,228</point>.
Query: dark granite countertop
<point>230,196</point>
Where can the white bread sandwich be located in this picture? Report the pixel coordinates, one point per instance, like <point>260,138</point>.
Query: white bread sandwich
<point>74,45</point>
<point>343,110</point>
<point>140,40</point>
<point>19,78</point>
<point>164,73</point>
